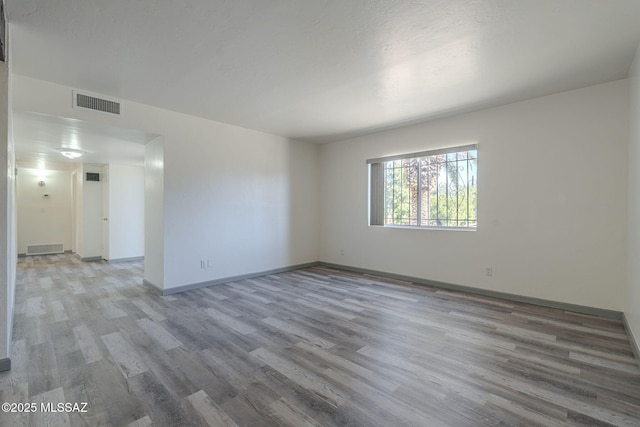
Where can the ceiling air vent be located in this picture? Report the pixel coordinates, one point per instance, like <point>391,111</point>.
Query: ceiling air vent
<point>95,103</point>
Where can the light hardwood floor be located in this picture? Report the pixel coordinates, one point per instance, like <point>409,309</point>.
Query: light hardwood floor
<point>310,347</point>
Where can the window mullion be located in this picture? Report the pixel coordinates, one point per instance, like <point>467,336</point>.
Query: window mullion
<point>419,198</point>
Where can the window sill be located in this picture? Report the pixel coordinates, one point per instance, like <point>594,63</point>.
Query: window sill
<point>432,228</point>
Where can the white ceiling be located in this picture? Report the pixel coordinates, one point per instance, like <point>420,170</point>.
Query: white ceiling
<point>322,70</point>
<point>39,137</point>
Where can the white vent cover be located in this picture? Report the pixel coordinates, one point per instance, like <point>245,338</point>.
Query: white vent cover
<point>51,248</point>
<point>96,103</point>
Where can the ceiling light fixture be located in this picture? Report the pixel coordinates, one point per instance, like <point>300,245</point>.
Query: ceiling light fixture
<point>71,153</point>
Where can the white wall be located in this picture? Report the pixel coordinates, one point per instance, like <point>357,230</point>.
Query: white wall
<point>632,297</point>
<point>76,223</point>
<point>40,220</point>
<point>240,198</point>
<point>229,192</point>
<point>8,254</point>
<point>126,212</point>
<point>154,213</point>
<point>551,200</point>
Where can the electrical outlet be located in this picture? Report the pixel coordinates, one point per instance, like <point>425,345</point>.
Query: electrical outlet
<point>488,271</point>
<point>341,252</point>
<point>203,264</point>
<point>209,263</point>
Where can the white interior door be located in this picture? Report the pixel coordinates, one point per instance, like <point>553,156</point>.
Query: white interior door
<point>74,208</point>
<point>105,213</point>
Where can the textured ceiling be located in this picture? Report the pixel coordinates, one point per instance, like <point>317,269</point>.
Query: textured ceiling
<point>323,70</point>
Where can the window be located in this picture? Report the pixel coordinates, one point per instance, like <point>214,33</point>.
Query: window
<point>436,188</point>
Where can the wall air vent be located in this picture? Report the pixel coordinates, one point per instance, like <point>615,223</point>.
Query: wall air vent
<point>91,176</point>
<point>52,248</point>
<point>90,102</point>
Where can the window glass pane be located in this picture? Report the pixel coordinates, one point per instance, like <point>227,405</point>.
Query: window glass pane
<point>473,188</point>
